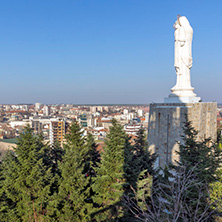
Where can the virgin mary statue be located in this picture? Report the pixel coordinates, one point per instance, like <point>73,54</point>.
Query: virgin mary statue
<point>183,52</point>
<point>182,91</point>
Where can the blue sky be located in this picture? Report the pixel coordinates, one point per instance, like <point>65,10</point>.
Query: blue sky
<point>104,51</point>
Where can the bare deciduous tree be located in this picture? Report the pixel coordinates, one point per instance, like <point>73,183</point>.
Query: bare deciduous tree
<point>168,201</point>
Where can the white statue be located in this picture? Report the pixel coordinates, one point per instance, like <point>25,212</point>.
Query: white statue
<point>183,62</point>
<point>183,52</point>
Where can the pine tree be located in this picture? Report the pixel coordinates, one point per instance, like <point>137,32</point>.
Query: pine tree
<point>55,154</point>
<point>141,170</point>
<point>92,159</point>
<point>181,191</point>
<point>144,188</point>
<point>8,211</point>
<point>110,180</point>
<point>144,160</point>
<point>73,191</point>
<point>130,169</point>
<point>31,176</point>
<point>203,158</point>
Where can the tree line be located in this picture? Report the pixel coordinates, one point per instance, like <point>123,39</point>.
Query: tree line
<point>75,183</point>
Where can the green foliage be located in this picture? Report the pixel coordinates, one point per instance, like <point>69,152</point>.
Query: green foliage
<point>55,155</point>
<point>92,159</point>
<point>205,155</point>
<point>181,191</point>
<point>204,159</point>
<point>144,189</point>
<point>123,167</point>
<point>142,159</point>
<point>216,192</point>
<point>129,167</point>
<point>8,210</point>
<point>110,181</point>
<point>216,195</point>
<point>27,180</point>
<point>74,188</point>
<point>73,183</point>
<point>140,173</point>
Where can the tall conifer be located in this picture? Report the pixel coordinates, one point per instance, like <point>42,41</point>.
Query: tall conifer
<point>203,158</point>
<point>143,160</point>
<point>73,190</point>
<point>92,159</point>
<point>140,169</point>
<point>27,178</point>
<point>55,155</point>
<point>8,210</point>
<point>110,181</point>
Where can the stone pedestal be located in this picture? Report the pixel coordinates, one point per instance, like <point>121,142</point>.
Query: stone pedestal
<point>182,95</point>
<point>166,123</point>
<point>184,99</point>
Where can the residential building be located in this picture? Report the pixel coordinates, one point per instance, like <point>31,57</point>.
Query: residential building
<point>57,130</point>
<point>37,106</point>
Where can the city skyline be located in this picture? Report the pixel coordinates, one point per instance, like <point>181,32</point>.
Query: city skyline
<point>103,52</point>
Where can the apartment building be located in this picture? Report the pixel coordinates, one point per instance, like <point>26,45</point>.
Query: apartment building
<point>57,130</point>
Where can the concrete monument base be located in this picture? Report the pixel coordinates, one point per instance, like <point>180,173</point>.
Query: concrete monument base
<point>166,122</point>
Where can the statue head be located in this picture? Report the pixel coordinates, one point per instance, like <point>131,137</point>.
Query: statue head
<point>182,21</point>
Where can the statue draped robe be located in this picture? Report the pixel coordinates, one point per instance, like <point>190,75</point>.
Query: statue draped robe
<point>183,52</point>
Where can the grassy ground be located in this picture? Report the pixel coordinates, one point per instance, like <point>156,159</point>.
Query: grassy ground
<point>14,140</point>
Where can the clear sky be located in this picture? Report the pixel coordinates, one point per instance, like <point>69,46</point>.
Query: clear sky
<point>104,51</point>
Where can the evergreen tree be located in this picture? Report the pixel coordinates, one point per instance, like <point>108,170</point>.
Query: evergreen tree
<point>73,190</point>
<point>181,191</point>
<point>143,159</point>
<point>27,179</point>
<point>55,154</point>
<point>203,158</point>
<point>92,159</point>
<point>8,211</point>
<point>111,177</point>
<point>144,188</point>
<point>129,167</point>
<point>141,168</point>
